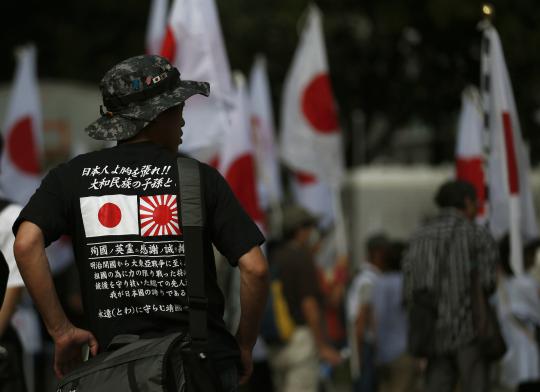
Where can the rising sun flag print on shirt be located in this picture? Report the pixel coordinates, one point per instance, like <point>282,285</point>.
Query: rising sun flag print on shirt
<point>127,215</point>
<point>159,215</point>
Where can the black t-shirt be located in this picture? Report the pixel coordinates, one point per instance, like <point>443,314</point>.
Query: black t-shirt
<point>120,207</point>
<point>4,274</point>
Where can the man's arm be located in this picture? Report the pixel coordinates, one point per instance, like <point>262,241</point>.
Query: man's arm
<point>312,314</point>
<point>13,295</point>
<point>362,324</point>
<point>253,295</point>
<point>30,254</point>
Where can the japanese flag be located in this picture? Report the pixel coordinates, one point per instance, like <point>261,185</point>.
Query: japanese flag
<point>110,215</point>
<point>237,162</point>
<point>310,134</point>
<point>22,131</point>
<point>511,207</point>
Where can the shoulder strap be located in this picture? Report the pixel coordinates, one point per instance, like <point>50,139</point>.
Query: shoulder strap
<point>192,210</point>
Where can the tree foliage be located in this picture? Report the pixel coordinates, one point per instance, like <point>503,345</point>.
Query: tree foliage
<point>402,61</point>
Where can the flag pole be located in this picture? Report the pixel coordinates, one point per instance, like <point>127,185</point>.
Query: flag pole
<point>488,11</point>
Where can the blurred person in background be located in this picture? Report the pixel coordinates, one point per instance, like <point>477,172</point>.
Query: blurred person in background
<point>397,371</point>
<point>333,270</point>
<point>518,308</point>
<point>532,258</point>
<point>333,277</point>
<point>360,315</point>
<point>11,351</point>
<point>440,261</point>
<point>295,365</point>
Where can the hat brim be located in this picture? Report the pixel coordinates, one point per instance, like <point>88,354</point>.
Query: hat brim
<point>127,122</point>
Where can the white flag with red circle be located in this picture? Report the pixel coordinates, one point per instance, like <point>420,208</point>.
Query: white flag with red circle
<point>310,133</point>
<point>110,215</point>
<point>22,131</point>
<point>159,215</point>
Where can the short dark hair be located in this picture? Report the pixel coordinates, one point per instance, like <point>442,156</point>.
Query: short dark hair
<point>453,194</point>
<point>394,256</point>
<point>377,241</point>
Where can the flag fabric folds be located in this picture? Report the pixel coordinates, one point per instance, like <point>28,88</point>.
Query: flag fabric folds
<point>510,197</point>
<point>194,44</point>
<point>310,134</point>
<point>263,131</point>
<point>22,132</point>
<point>470,146</point>
<point>157,25</point>
<point>314,195</point>
<point>237,161</point>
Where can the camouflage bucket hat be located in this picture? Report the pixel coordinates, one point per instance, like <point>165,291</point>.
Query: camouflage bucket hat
<point>135,92</point>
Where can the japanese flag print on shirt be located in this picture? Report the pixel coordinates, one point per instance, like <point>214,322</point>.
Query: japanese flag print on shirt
<point>159,215</point>
<point>109,215</point>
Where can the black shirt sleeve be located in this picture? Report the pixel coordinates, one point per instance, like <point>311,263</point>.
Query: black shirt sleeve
<point>231,229</point>
<point>48,208</point>
<point>4,275</point>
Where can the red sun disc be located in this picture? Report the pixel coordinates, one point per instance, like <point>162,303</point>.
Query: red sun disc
<point>162,214</point>
<point>318,105</point>
<point>109,215</point>
<point>21,146</point>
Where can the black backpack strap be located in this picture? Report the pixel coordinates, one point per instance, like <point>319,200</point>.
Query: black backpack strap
<point>191,212</point>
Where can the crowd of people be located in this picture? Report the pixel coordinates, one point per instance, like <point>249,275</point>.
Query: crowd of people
<point>412,316</point>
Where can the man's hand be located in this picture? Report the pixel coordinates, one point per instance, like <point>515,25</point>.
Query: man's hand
<point>68,348</point>
<point>330,355</point>
<point>247,366</point>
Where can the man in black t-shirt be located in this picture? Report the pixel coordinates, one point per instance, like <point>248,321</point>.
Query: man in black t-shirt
<point>120,206</point>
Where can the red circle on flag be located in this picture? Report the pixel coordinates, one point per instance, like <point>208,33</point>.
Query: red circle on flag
<point>162,214</point>
<point>318,105</point>
<point>21,146</point>
<point>109,215</point>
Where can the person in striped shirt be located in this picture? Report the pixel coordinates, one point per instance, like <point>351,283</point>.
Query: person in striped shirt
<point>441,256</point>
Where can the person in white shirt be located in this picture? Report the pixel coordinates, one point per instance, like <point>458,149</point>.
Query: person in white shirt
<point>11,370</point>
<point>359,317</point>
<point>518,309</point>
